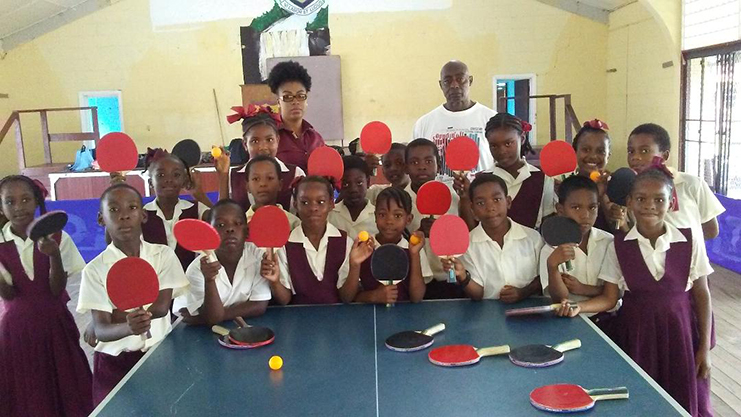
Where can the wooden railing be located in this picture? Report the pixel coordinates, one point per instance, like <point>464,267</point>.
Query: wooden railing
<point>571,121</point>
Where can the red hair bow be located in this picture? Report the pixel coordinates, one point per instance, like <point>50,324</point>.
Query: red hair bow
<point>42,188</point>
<point>153,155</point>
<point>252,110</point>
<point>597,124</point>
<point>526,127</point>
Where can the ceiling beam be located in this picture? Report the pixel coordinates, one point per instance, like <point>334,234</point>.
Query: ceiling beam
<point>582,9</point>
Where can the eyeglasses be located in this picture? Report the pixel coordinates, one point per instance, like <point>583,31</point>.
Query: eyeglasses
<point>288,98</point>
<point>460,80</point>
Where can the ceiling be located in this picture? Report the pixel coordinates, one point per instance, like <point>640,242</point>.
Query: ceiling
<point>609,5</point>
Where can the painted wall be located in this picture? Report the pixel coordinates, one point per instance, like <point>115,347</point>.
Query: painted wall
<point>640,90</point>
<point>390,60</point>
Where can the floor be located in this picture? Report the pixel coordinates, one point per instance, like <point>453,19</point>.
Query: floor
<point>725,288</point>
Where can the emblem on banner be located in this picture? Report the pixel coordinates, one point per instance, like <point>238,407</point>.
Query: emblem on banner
<point>301,7</point>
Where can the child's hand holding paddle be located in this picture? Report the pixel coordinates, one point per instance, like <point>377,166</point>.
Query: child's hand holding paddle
<point>210,270</point>
<point>139,321</point>
<point>563,253</point>
<point>48,246</point>
<point>385,294</point>
<point>269,266</point>
<point>361,250</point>
<point>615,214</point>
<point>425,225</point>
<point>568,309</point>
<point>456,265</point>
<point>461,184</point>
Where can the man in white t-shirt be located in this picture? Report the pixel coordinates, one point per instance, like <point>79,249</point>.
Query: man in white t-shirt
<point>458,116</point>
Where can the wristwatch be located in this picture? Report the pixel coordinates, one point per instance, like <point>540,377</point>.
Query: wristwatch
<point>465,282</point>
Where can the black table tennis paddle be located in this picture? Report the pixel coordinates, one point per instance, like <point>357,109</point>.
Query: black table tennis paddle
<point>46,224</point>
<point>412,341</point>
<point>188,151</point>
<point>389,263</point>
<point>559,230</point>
<point>541,356</point>
<point>619,185</point>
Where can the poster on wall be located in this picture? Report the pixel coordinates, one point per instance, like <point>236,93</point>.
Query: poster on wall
<point>290,28</point>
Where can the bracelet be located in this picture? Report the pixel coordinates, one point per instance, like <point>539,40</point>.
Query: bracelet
<point>466,281</point>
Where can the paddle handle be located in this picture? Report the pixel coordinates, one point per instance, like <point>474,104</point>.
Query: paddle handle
<point>434,329</point>
<point>240,322</point>
<point>618,393</point>
<point>211,255</point>
<point>390,282</point>
<point>569,345</point>
<point>221,331</point>
<point>147,335</point>
<point>451,273</point>
<point>569,266</point>
<point>534,310</point>
<point>492,351</point>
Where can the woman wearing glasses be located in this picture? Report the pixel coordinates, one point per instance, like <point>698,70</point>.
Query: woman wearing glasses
<point>291,83</point>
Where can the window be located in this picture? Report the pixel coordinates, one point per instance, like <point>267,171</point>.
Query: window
<point>110,112</point>
<point>507,87</point>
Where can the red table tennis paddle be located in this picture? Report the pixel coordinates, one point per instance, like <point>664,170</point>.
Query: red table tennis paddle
<point>570,398</point>
<point>197,236</point>
<point>46,224</point>
<point>559,230</point>
<point>245,336</point>
<point>557,158</point>
<point>132,283</point>
<point>462,355</point>
<point>412,341</point>
<point>433,199</point>
<point>326,162</point>
<point>541,356</point>
<point>462,154</point>
<point>269,228</point>
<point>116,152</point>
<point>449,238</point>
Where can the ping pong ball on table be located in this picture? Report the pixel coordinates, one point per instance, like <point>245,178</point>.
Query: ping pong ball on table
<point>215,151</point>
<point>594,176</point>
<point>363,236</point>
<point>275,362</point>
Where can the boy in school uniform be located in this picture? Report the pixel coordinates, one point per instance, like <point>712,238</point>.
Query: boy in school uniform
<point>502,259</point>
<point>264,184</point>
<point>354,213</point>
<point>231,286</point>
<point>118,332</point>
<point>394,167</point>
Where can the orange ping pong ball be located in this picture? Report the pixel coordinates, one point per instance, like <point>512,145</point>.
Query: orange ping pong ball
<point>216,152</point>
<point>275,362</point>
<point>363,236</point>
<point>594,176</point>
<point>414,240</point>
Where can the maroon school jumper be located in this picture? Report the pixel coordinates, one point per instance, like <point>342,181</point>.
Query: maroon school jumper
<point>526,205</point>
<point>153,231</point>
<point>655,324</point>
<point>308,289</point>
<point>108,370</point>
<point>369,282</point>
<point>601,222</point>
<point>43,370</point>
<point>238,180</point>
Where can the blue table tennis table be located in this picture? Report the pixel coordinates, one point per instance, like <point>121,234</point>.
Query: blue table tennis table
<point>336,364</point>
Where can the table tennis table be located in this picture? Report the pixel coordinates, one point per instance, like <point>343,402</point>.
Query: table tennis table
<point>336,364</point>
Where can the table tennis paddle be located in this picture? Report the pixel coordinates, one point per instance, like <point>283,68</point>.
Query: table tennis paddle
<point>557,158</point>
<point>188,151</point>
<point>462,155</point>
<point>541,356</point>
<point>389,263</point>
<point>559,230</point>
<point>462,355</point>
<point>197,236</point>
<point>618,187</point>
<point>449,238</point>
<point>132,283</point>
<point>326,162</point>
<point>534,310</point>
<point>245,336</point>
<point>116,152</point>
<point>433,199</point>
<point>412,341</point>
<point>269,228</point>
<point>570,398</point>
<point>46,224</point>
<point>375,138</point>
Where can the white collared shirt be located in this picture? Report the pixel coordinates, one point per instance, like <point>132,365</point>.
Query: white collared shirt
<point>317,258</point>
<point>340,218</point>
<point>283,168</point>
<point>655,256</point>
<point>247,284</point>
<point>493,267</point>
<point>94,296</point>
<point>374,190</point>
<point>548,200</point>
<point>697,203</point>
<point>71,259</point>
<point>424,262</point>
<point>417,219</point>
<point>293,221</point>
<point>587,267</point>
<point>181,206</point>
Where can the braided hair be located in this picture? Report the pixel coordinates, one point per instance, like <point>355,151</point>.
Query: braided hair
<point>258,120</point>
<point>508,121</point>
<point>655,174</point>
<point>400,197</point>
<point>38,193</point>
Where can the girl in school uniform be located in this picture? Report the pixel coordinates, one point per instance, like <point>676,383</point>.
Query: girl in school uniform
<point>168,175</point>
<point>260,137</point>
<point>354,213</point>
<point>320,264</point>
<point>578,199</point>
<point>118,332</point>
<point>663,273</point>
<point>264,185</point>
<point>394,167</point>
<point>393,215</point>
<point>592,147</point>
<point>44,370</point>
<point>502,258</point>
<point>532,193</point>
<point>231,286</point>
